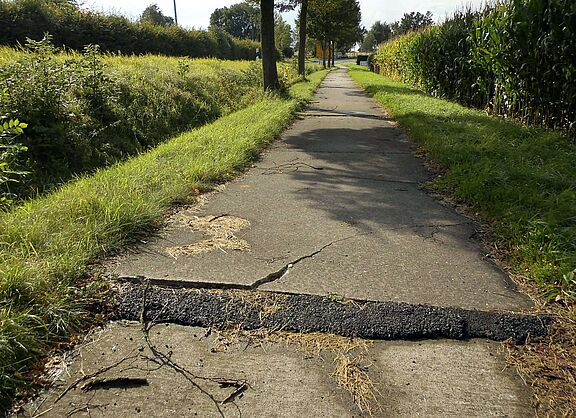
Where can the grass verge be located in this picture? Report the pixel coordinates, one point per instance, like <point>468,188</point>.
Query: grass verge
<point>47,243</point>
<point>521,181</point>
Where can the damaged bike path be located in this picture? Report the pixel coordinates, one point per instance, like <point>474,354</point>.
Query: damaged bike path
<point>339,200</point>
<point>341,188</point>
<point>333,214</point>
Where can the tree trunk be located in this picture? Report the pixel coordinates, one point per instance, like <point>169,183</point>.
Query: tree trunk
<point>324,53</point>
<point>333,52</point>
<point>302,45</point>
<point>268,48</point>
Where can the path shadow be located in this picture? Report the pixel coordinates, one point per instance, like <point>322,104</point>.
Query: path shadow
<point>367,177</point>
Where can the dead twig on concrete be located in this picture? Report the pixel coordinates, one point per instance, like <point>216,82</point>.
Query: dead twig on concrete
<point>97,373</point>
<point>163,359</point>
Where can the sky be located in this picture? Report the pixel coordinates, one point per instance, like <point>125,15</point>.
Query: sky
<point>196,13</point>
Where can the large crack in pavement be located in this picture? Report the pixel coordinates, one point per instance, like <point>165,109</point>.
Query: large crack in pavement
<point>280,273</point>
<point>312,313</point>
<point>269,278</point>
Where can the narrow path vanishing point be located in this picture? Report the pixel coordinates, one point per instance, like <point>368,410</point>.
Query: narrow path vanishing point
<point>334,208</point>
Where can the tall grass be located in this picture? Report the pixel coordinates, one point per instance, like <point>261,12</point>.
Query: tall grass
<point>47,243</point>
<point>515,58</point>
<point>74,28</point>
<point>86,111</point>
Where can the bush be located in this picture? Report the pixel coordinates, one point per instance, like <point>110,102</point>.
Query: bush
<point>87,111</point>
<point>84,114</point>
<point>516,59</point>
<point>9,152</point>
<point>74,28</point>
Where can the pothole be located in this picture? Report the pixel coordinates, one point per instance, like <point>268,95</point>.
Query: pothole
<point>220,229</point>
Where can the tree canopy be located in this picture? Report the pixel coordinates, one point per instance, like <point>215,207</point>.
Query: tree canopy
<point>241,20</point>
<point>411,22</point>
<point>282,34</point>
<point>152,14</point>
<point>378,33</point>
<point>334,22</point>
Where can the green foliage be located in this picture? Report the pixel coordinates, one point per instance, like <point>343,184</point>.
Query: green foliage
<point>378,33</point>
<point>74,28</point>
<point>516,59</point>
<point>282,34</point>
<point>241,20</point>
<point>334,21</point>
<point>88,111</point>
<point>411,22</point>
<point>9,153</point>
<point>521,179</point>
<point>153,15</point>
<point>47,243</point>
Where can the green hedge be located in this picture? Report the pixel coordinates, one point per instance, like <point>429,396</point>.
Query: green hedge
<point>74,28</point>
<point>88,111</point>
<point>516,59</point>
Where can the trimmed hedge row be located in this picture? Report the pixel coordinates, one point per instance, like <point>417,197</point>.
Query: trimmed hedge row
<point>516,59</point>
<point>74,28</point>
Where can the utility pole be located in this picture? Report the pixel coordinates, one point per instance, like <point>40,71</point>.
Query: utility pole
<point>175,15</point>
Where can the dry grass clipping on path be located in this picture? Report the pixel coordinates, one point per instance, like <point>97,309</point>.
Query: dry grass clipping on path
<point>266,303</point>
<point>352,376</point>
<point>221,230</point>
<point>349,371</point>
<point>548,365</point>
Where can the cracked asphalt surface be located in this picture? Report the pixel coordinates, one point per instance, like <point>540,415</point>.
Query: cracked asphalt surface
<point>331,232</point>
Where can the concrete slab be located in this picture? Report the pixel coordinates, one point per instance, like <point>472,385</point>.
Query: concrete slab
<point>342,181</point>
<point>432,379</point>
<point>447,379</point>
<point>282,381</point>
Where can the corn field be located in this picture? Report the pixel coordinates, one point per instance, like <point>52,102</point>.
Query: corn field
<point>514,58</point>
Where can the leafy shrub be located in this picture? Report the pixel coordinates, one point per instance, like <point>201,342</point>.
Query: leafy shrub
<point>9,152</point>
<point>516,59</point>
<point>74,28</point>
<point>90,110</point>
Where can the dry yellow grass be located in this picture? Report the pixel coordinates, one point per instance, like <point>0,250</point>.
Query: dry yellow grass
<point>350,371</point>
<point>221,231</point>
<point>548,365</point>
<point>351,376</point>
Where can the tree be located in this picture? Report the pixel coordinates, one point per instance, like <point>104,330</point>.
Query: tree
<point>271,81</point>
<point>369,42</point>
<point>282,34</point>
<point>302,37</point>
<point>241,20</point>
<point>382,32</point>
<point>152,14</point>
<point>378,33</point>
<point>333,22</point>
<point>285,5</point>
<point>412,22</point>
